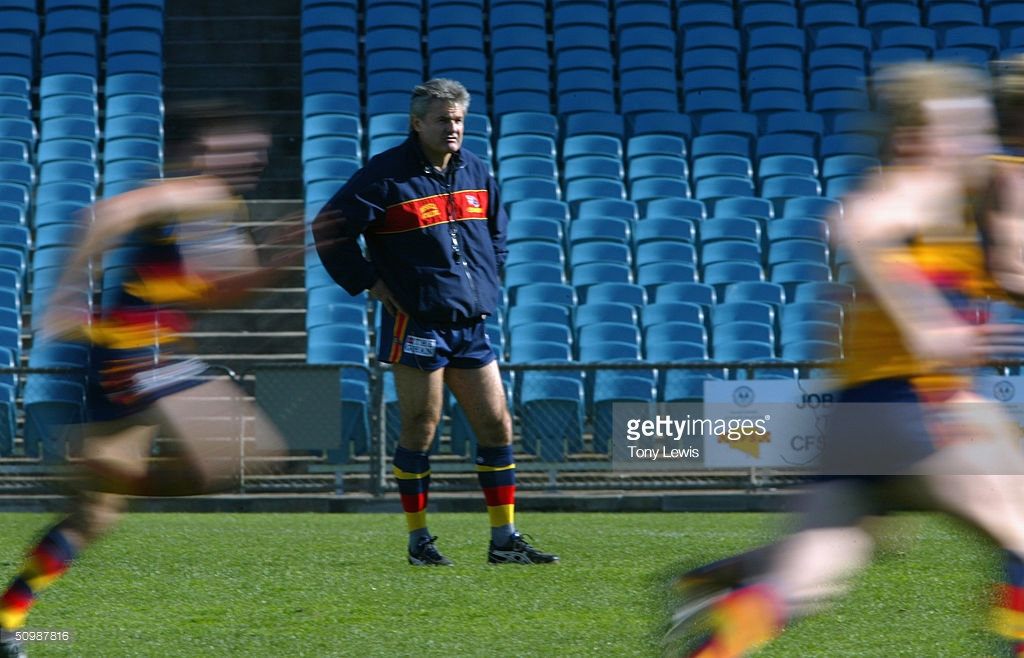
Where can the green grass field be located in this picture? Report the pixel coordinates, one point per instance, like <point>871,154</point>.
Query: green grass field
<point>249,585</point>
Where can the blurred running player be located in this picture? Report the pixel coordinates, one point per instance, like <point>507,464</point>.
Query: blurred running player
<point>140,385</point>
<point>908,427</point>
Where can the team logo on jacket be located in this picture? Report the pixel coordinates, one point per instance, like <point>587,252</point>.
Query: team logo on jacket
<point>472,201</point>
<point>428,210</point>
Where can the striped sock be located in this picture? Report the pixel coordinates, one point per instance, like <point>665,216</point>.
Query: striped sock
<point>50,558</point>
<point>496,470</point>
<point>1008,606</point>
<point>412,470</point>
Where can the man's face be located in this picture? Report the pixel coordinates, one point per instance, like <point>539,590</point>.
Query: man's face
<point>440,130</point>
<point>237,157</point>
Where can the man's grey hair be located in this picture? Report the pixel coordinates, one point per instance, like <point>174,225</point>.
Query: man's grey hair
<point>440,89</point>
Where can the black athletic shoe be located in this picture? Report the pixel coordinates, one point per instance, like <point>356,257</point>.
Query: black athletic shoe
<point>9,648</point>
<point>427,555</point>
<point>518,552</point>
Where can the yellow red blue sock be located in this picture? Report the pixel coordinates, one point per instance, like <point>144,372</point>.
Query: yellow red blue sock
<point>47,562</point>
<point>412,470</point>
<point>496,471</point>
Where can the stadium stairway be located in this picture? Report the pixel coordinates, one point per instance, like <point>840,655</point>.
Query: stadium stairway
<point>249,52</point>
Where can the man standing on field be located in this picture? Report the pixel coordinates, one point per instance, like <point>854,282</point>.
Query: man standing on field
<point>431,216</point>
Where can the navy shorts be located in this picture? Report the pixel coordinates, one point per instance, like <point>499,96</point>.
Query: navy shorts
<point>403,341</point>
<point>879,428</point>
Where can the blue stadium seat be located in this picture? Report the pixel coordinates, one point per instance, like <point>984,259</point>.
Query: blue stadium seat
<point>614,390</point>
<point>786,165</point>
<point>587,145</point>
<point>793,273</point>
<point>674,351</point>
<point>657,166</point>
<point>604,312</point>
<point>668,229</point>
<point>719,144</point>
<point>135,17</point>
<point>728,250</point>
<point>595,251</point>
<point>539,228</point>
<point>798,249</point>
<point>846,143</point>
<point>551,415</point>
<point>987,39</point>
<point>731,228</point>
<point>656,144</point>
<point>583,189</point>
<point>516,145</point>
<point>629,293</point>
<point>773,57</point>
<point>607,208</point>
<point>551,293</point>
<point>699,80</point>
<point>656,312</point>
<point>331,169</point>
<point>693,292</point>
<point>529,123</point>
<point>331,145</point>
<point>910,36</point>
<point>757,291</point>
<point>700,103</point>
<point>595,123</point>
<point>553,209</point>
<point>671,123</point>
<point>675,331</point>
<point>132,125</point>
<point>540,332</point>
<point>803,228</point>
<point>644,190</point>
<point>684,208</point>
<point>830,291</point>
<point>724,333</point>
<point>725,273</point>
<point>946,15</point>
<point>882,16</point>
<point>710,56</point>
<point>712,188</point>
<point>327,314</point>
<point>856,38</point>
<point>829,14</point>
<point>600,229</point>
<point>721,164</point>
<point>52,409</point>
<point>786,143</point>
<point>653,275</point>
<point>528,167</point>
<point>895,55</point>
<point>647,90</point>
<point>666,251</point>
<point>1005,17</point>
<point>820,207</point>
<point>593,166</point>
<point>791,331</point>
<point>519,189</point>
<point>758,14</point>
<point>766,78</point>
<point>586,275</point>
<point>743,311</point>
<point>750,207</point>
<point>536,251</point>
<point>521,314</point>
<point>778,189</point>
<point>814,310</point>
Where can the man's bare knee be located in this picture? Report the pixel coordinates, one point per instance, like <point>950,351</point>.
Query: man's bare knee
<point>96,514</point>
